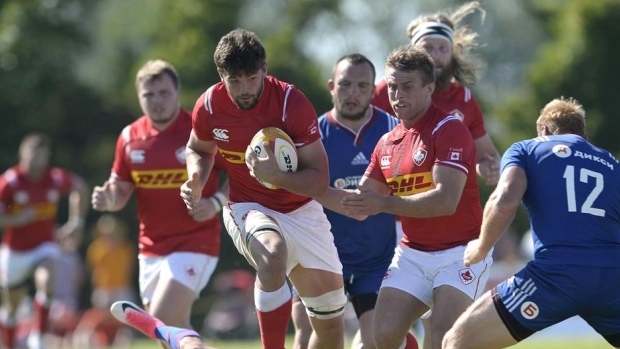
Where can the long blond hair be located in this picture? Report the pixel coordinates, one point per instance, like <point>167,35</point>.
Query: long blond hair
<point>467,68</point>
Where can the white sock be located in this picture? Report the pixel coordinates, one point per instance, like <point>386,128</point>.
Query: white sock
<point>268,301</point>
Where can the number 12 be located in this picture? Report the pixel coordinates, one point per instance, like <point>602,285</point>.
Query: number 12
<point>584,175</point>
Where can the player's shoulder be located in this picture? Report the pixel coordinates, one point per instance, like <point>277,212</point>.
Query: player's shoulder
<point>59,174</point>
<point>279,85</point>
<point>462,93</point>
<point>444,121</point>
<point>284,91</point>
<point>214,98</point>
<point>136,129</point>
<point>323,120</point>
<point>10,177</point>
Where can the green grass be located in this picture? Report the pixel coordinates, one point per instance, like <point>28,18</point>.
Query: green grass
<point>598,343</point>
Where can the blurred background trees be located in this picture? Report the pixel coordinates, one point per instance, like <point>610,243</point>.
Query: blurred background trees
<point>67,67</point>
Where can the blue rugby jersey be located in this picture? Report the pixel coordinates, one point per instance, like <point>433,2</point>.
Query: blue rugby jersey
<point>367,245</point>
<point>573,199</point>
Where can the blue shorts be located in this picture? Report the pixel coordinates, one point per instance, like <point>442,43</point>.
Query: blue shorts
<point>362,283</point>
<point>539,296</point>
<point>363,289</point>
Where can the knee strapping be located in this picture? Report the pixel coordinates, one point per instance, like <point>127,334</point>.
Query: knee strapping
<point>326,306</point>
<point>261,224</point>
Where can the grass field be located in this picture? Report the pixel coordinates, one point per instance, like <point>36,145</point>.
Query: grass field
<point>571,343</point>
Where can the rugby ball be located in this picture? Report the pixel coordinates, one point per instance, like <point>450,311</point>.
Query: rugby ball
<point>282,146</point>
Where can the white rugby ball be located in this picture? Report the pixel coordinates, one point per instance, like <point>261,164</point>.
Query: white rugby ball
<point>282,146</point>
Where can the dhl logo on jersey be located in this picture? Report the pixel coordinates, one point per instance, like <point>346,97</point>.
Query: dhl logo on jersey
<point>233,156</point>
<point>44,210</point>
<point>159,179</point>
<point>411,183</point>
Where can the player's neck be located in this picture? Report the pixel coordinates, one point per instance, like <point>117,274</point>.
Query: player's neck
<point>33,175</point>
<point>354,125</point>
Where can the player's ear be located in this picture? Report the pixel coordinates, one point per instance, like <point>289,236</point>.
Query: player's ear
<point>431,88</point>
<point>330,84</point>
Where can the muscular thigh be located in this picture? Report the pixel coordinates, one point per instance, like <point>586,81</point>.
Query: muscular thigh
<point>482,319</point>
<point>314,282</point>
<point>396,310</point>
<point>306,232</point>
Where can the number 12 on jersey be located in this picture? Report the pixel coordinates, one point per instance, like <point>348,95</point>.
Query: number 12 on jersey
<point>584,177</point>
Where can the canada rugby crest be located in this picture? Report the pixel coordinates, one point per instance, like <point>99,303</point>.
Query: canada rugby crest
<point>419,156</point>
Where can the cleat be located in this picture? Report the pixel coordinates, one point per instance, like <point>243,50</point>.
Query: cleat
<point>132,315</point>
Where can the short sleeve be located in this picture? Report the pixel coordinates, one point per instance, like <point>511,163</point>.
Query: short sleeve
<point>120,168</point>
<point>301,120</point>
<point>454,146</point>
<point>514,156</point>
<point>199,119</point>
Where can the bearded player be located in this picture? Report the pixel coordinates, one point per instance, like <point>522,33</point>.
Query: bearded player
<point>281,232</point>
<point>349,132</point>
<point>451,43</point>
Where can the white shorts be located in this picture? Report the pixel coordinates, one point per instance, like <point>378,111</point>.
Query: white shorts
<point>17,266</point>
<point>307,233</point>
<point>419,273</point>
<point>190,269</point>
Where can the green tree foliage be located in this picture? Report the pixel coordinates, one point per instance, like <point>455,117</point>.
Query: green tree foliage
<point>580,61</point>
<point>40,42</point>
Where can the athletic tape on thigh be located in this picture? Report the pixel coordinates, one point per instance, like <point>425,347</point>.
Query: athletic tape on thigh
<point>263,225</point>
<point>326,306</point>
<point>259,224</point>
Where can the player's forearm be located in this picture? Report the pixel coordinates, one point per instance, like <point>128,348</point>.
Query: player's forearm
<point>497,217</point>
<point>78,203</point>
<point>331,198</point>
<point>200,163</point>
<point>432,203</point>
<point>308,182</point>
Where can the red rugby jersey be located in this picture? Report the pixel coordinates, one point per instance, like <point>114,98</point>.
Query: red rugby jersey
<point>18,192</point>
<point>404,159</point>
<point>217,118</point>
<point>456,100</point>
<point>154,162</point>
